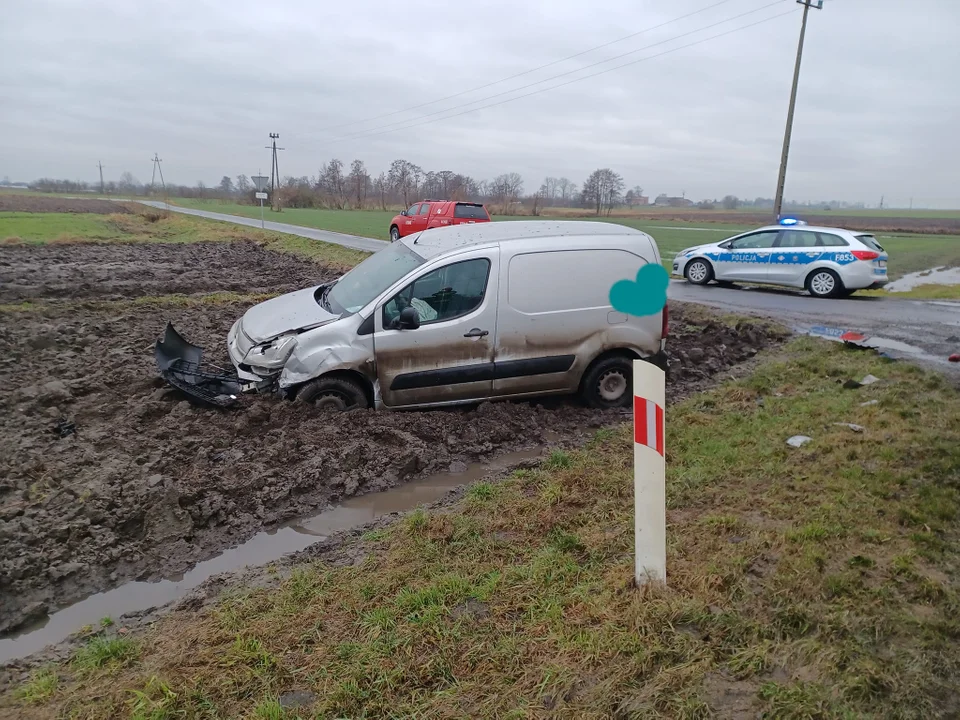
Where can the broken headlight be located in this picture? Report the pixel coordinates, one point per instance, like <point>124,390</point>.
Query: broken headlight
<point>272,355</point>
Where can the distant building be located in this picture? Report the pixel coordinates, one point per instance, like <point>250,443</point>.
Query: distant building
<point>634,200</point>
<point>667,201</point>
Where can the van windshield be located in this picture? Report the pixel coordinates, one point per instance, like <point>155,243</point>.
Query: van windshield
<point>370,278</point>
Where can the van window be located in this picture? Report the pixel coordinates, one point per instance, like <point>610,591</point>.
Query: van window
<point>442,294</point>
<point>470,212</point>
<point>559,280</point>
<point>425,209</point>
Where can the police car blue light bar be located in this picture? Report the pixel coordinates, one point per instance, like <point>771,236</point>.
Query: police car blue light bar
<point>791,221</point>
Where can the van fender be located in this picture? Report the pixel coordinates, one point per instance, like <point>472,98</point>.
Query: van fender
<point>307,364</point>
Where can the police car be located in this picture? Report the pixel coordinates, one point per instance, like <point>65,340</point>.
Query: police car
<point>828,262</point>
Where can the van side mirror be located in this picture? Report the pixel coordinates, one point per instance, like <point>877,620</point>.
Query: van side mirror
<point>403,212</point>
<point>409,319</point>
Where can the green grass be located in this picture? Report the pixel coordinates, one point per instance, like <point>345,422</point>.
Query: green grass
<point>908,252</point>
<point>39,688</point>
<point>105,653</point>
<point>802,583</point>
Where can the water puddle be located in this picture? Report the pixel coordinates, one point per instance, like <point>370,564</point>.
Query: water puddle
<point>870,341</point>
<point>934,276</point>
<point>262,548</point>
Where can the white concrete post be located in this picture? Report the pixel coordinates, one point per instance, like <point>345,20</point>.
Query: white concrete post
<point>649,486</point>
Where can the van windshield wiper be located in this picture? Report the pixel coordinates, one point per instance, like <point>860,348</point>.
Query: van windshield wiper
<point>323,297</point>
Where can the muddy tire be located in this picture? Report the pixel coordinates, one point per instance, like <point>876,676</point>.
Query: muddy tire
<point>824,283</point>
<point>394,233</point>
<point>609,383</point>
<point>699,271</point>
<point>333,393</point>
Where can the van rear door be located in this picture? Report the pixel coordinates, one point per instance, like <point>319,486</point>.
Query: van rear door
<point>555,317</point>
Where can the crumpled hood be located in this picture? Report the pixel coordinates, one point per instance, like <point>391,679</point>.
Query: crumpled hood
<point>293,311</point>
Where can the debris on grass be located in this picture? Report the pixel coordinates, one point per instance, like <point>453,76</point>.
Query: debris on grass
<point>798,440</point>
<point>856,428</point>
<point>813,566</point>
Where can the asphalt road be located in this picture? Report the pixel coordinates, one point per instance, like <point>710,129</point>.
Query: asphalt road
<point>922,330</point>
<point>918,329</point>
<point>351,241</point>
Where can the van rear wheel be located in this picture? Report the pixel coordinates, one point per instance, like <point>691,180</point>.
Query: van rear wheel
<point>609,383</point>
<point>333,393</point>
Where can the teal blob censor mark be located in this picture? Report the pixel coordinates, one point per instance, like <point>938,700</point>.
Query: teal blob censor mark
<point>644,296</point>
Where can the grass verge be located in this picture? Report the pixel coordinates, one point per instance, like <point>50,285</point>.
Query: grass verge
<point>803,583</point>
<point>921,292</point>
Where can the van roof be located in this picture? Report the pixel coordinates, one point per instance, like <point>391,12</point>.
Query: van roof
<point>439,240</point>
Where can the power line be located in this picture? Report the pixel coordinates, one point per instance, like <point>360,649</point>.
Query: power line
<point>373,133</point>
<point>364,133</point>
<point>528,72</point>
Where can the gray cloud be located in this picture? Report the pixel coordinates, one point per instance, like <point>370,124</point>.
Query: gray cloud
<point>202,83</point>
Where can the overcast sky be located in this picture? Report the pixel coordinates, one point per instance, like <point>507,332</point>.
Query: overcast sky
<point>203,83</point>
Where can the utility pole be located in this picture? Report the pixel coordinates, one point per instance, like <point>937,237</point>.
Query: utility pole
<point>100,165</point>
<point>157,168</point>
<point>274,174</point>
<point>881,202</point>
<point>778,202</point>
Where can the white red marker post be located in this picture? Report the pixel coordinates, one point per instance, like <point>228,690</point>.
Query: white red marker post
<point>649,483</point>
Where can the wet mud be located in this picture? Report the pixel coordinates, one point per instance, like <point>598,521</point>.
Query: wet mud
<point>117,271</point>
<point>47,203</point>
<point>108,476</point>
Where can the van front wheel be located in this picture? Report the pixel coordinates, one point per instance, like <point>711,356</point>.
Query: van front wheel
<point>333,393</point>
<point>609,383</point>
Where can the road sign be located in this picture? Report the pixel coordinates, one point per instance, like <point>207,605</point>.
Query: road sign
<point>649,488</point>
<point>261,196</point>
<point>260,182</point>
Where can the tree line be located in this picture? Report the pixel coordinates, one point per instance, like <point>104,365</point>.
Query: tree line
<point>339,186</point>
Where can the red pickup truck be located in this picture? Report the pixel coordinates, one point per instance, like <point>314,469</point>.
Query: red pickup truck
<point>428,214</point>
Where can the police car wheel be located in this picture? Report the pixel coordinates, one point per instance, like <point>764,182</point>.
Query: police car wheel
<point>699,272</point>
<point>824,284</point>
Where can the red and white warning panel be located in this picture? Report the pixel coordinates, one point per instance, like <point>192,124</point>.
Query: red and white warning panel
<point>648,423</point>
<point>649,468</point>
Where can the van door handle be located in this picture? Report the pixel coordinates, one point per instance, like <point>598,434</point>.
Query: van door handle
<point>477,332</point>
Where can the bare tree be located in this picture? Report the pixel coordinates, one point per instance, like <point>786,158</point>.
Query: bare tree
<point>401,178</point>
<point>730,202</point>
<point>381,185</point>
<point>506,189</point>
<point>333,184</point>
<point>602,190</point>
<point>359,179</point>
<point>538,199</point>
<point>550,187</point>
<point>200,188</point>
<point>243,184</point>
<point>226,185</point>
<point>566,188</point>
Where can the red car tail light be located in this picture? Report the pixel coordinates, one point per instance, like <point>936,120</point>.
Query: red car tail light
<point>865,254</point>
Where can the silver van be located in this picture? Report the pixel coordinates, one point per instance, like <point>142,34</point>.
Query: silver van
<point>457,315</point>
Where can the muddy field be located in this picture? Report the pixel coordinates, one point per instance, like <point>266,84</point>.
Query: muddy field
<point>117,271</point>
<point>107,476</point>
<point>45,203</point>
